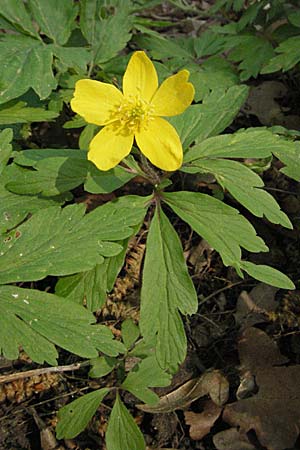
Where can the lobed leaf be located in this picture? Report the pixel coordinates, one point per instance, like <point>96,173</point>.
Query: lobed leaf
<point>55,18</point>
<point>37,321</point>
<point>21,113</point>
<point>98,33</point>
<point>74,417</point>
<point>210,118</point>
<point>5,147</point>
<point>51,240</point>
<point>15,12</point>
<point>57,171</point>
<point>122,431</point>
<point>221,225</point>
<point>245,186</point>
<point>147,374</point>
<point>289,56</point>
<point>166,289</point>
<point>268,275</point>
<point>25,63</point>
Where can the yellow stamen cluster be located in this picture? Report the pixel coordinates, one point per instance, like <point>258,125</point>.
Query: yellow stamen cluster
<point>132,114</point>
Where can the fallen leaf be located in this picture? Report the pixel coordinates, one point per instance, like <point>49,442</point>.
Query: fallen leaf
<point>257,350</point>
<point>211,383</point>
<point>252,307</point>
<point>274,412</point>
<point>201,423</point>
<point>232,439</point>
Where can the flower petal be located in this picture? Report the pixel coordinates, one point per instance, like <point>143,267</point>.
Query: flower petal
<point>109,147</point>
<point>94,100</point>
<point>160,143</point>
<point>140,78</point>
<point>174,95</point>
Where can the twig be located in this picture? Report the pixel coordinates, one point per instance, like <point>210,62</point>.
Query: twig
<point>31,373</point>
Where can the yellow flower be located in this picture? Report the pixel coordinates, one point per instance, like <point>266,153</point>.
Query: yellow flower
<point>135,114</point>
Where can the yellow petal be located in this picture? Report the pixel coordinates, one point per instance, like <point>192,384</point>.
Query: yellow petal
<point>140,78</point>
<point>160,143</point>
<point>174,95</point>
<point>94,100</point>
<point>108,148</point>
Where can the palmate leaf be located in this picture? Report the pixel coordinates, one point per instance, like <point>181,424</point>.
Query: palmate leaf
<point>147,374</point>
<point>25,62</point>
<point>122,431</point>
<point>55,18</point>
<point>91,287</point>
<point>60,170</point>
<point>210,118</point>
<point>26,59</point>
<point>15,208</point>
<point>244,185</point>
<point>252,51</point>
<point>221,225</point>
<point>268,275</point>
<point>20,113</point>
<point>166,279</point>
<point>289,56</point>
<point>15,12</point>
<point>36,321</point>
<point>5,147</point>
<point>107,36</point>
<point>74,417</point>
<point>50,242</point>
<point>251,143</point>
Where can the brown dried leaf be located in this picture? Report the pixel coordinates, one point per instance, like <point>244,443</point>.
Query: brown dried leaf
<point>232,439</point>
<point>251,308</point>
<point>201,423</point>
<point>257,350</point>
<point>212,383</point>
<point>274,412</point>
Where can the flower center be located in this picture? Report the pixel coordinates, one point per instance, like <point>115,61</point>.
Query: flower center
<point>132,114</point>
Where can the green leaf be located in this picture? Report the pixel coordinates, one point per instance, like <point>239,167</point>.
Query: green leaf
<point>251,143</point>
<point>122,431</point>
<point>15,12</point>
<point>74,417</point>
<point>55,18</point>
<point>221,225</point>
<point>289,56</point>
<point>5,147</point>
<point>290,156</point>
<point>51,240</point>
<point>162,48</point>
<point>21,113</point>
<point>99,182</point>
<point>91,287</point>
<point>268,275</point>
<point>52,176</point>
<point>85,287</point>
<point>25,63</point>
<point>210,118</point>
<point>15,208</point>
<point>209,78</point>
<point>130,332</point>
<point>57,171</point>
<point>102,366</point>
<point>107,36</point>
<point>252,51</point>
<point>166,279</point>
<point>36,320</point>
<point>72,57</point>
<point>245,186</point>
<point>147,374</point>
